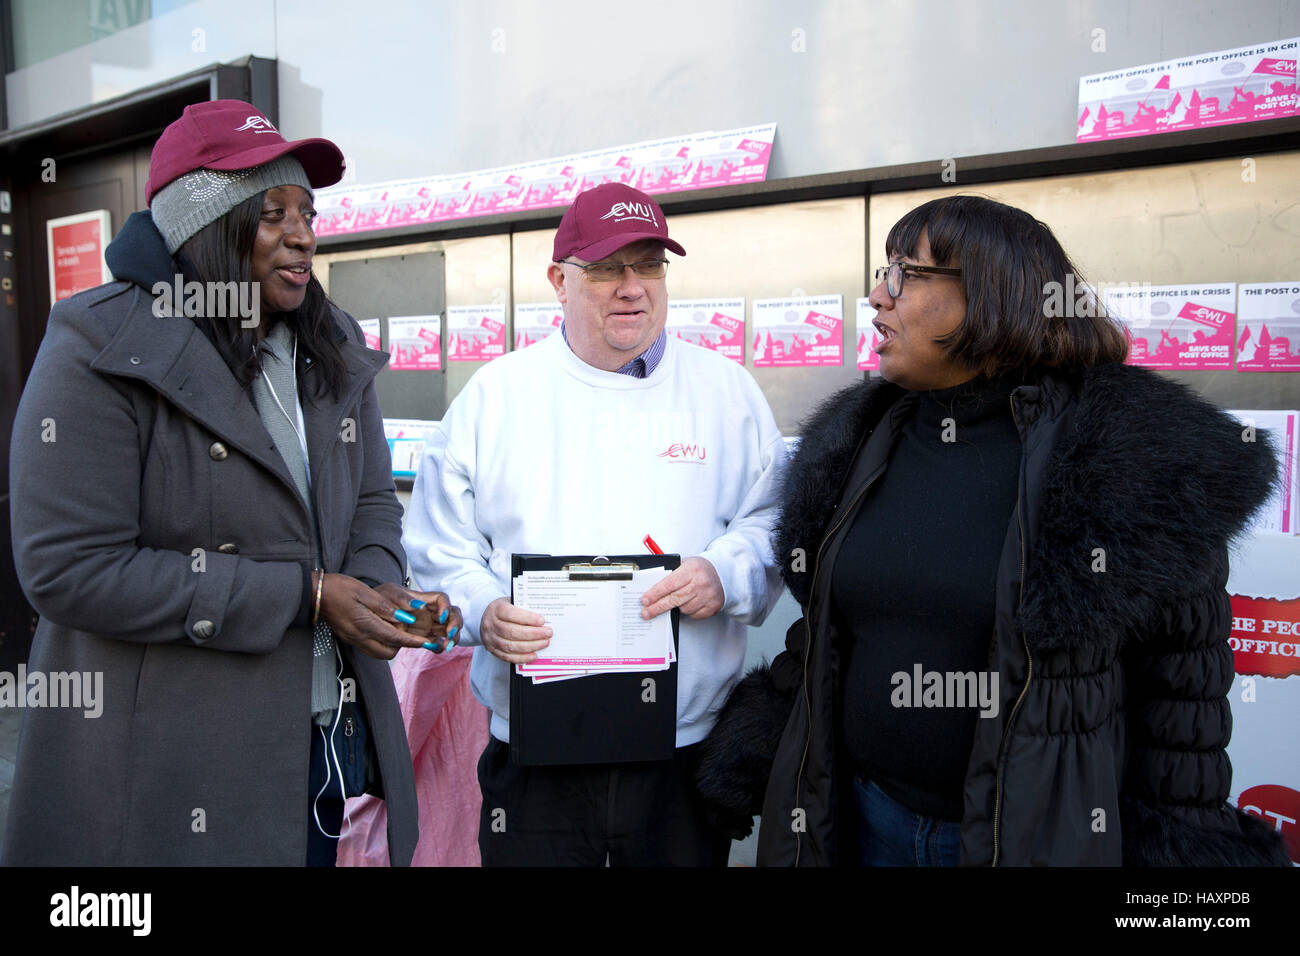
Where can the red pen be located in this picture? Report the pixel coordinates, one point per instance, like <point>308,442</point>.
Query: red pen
<point>649,542</point>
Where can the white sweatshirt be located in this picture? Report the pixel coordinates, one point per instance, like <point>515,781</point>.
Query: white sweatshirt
<point>542,453</point>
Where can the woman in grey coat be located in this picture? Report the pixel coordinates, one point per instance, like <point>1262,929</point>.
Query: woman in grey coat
<point>204,516</point>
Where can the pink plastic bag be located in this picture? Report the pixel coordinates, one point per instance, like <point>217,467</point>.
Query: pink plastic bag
<point>447,729</point>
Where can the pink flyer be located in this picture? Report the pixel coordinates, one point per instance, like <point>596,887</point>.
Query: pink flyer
<point>1279,513</point>
<point>868,337</point>
<point>712,159</point>
<point>1209,89</point>
<point>806,331</point>
<point>370,329</point>
<point>415,342</point>
<point>534,321</point>
<point>693,161</point>
<point>714,324</point>
<point>1268,327</point>
<point>476,333</point>
<point>1177,327</point>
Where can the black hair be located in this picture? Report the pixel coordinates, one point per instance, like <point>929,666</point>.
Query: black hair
<point>1012,266</point>
<point>222,251</point>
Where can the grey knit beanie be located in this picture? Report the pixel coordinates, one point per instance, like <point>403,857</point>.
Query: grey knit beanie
<point>190,202</point>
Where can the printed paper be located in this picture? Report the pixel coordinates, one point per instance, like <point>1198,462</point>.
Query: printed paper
<point>596,625</point>
<point>406,442</point>
<point>476,333</point>
<point>1268,327</point>
<point>415,342</point>
<point>868,337</point>
<point>370,329</point>
<point>807,331</point>
<point>714,324</point>
<point>1281,513</point>
<point>1177,327</point>
<point>1212,89</point>
<point>695,161</point>
<point>534,321</point>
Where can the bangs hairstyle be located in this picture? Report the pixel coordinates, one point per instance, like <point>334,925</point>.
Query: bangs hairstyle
<point>1013,271</point>
<point>222,251</point>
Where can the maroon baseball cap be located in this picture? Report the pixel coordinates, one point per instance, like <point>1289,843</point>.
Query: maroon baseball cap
<point>232,134</point>
<point>606,218</point>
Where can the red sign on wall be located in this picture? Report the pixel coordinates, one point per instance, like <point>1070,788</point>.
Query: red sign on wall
<point>1279,807</point>
<point>76,249</point>
<point>1265,636</point>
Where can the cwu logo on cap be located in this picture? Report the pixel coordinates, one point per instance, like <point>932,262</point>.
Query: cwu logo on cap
<point>623,211</point>
<point>258,124</point>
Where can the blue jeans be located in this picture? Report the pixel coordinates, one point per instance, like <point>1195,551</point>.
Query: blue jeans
<point>889,834</point>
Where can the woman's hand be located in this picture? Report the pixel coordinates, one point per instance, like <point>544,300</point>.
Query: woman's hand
<point>437,621</point>
<point>366,618</point>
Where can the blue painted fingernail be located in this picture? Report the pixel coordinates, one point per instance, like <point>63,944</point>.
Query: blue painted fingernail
<point>406,617</point>
<point>439,650</point>
<point>430,646</point>
<point>442,618</point>
<point>451,635</point>
<point>417,604</point>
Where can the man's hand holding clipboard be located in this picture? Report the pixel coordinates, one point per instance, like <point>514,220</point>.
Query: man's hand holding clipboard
<point>512,633</point>
<point>694,587</point>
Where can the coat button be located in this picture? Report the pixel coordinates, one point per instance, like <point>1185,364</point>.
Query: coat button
<point>217,452</point>
<point>203,630</point>
<point>229,548</point>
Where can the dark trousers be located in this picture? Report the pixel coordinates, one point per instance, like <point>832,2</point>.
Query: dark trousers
<point>631,814</point>
<point>889,834</point>
<point>321,849</point>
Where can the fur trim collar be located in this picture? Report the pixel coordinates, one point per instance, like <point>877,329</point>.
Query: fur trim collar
<point>1155,477</point>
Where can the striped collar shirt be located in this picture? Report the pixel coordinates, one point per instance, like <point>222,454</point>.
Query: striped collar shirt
<point>645,363</point>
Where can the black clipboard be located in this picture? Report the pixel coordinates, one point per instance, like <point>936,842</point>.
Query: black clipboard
<point>601,718</point>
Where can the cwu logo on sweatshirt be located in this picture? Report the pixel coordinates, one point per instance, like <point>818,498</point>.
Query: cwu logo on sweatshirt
<point>683,452</point>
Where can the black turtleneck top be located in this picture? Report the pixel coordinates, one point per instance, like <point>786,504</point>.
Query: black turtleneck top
<point>913,583</point>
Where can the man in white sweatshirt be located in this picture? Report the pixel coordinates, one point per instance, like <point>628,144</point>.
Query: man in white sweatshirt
<point>583,444</point>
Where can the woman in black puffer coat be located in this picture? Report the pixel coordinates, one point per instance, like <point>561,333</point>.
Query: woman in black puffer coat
<point>1011,556</point>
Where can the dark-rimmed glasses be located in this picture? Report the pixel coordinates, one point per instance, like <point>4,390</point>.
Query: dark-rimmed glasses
<point>609,271</point>
<point>894,273</point>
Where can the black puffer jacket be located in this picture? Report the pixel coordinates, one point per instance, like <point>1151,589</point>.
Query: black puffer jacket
<point>1108,747</point>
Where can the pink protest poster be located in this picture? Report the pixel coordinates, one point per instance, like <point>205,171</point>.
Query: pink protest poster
<point>415,343</point>
<point>1268,327</point>
<point>76,251</point>
<point>534,321</point>
<point>805,331</point>
<point>711,159</point>
<point>1209,89</point>
<point>370,329</point>
<point>715,324</point>
<point>1177,327</point>
<point>692,161</point>
<point>1280,512</point>
<point>476,333</point>
<point>868,337</point>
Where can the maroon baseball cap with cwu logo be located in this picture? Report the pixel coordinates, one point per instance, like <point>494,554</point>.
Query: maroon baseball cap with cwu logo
<point>229,135</point>
<point>606,218</point>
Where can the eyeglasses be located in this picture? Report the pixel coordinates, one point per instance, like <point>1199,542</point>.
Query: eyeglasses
<point>609,271</point>
<point>897,270</point>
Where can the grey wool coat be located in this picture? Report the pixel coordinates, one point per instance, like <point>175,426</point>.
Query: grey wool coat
<point>133,446</point>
